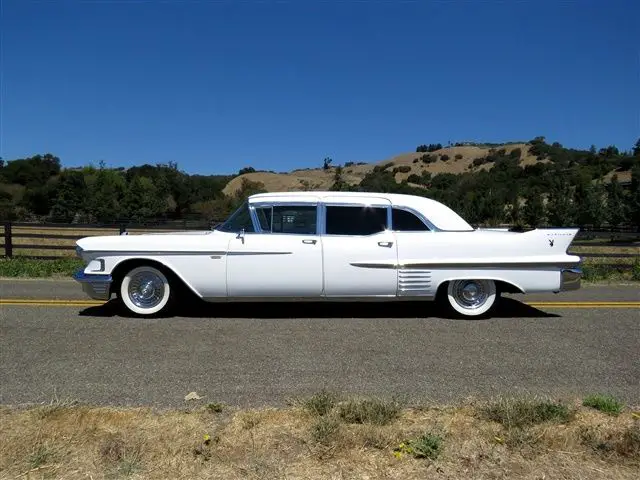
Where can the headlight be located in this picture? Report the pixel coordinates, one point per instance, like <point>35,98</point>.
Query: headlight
<point>79,251</point>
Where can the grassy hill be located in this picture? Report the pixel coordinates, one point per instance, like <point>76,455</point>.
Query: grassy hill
<point>455,160</point>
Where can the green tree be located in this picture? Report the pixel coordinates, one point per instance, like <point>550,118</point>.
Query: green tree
<point>617,208</point>
<point>636,149</point>
<point>590,208</point>
<point>105,203</point>
<point>142,200</point>
<point>69,197</point>
<point>560,209</point>
<point>534,212</point>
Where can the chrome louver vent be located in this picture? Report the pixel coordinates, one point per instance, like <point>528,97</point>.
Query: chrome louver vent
<point>414,282</point>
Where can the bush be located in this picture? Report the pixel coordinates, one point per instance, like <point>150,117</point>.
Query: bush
<point>416,160</point>
<point>372,411</point>
<point>444,157</point>
<point>479,161</point>
<point>413,178</point>
<point>515,153</point>
<point>458,156</point>
<point>426,158</point>
<point>604,403</point>
<point>402,169</point>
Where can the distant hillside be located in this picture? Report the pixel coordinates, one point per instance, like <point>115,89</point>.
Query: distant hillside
<point>519,183</point>
<point>454,160</point>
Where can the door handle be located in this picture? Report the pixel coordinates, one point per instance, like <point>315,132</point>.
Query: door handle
<point>385,244</point>
<point>310,242</point>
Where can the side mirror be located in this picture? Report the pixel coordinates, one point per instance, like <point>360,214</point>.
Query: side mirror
<point>241,235</point>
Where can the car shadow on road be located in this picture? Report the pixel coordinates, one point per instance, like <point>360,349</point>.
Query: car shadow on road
<point>507,308</point>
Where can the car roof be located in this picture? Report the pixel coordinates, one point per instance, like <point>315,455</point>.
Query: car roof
<point>437,213</point>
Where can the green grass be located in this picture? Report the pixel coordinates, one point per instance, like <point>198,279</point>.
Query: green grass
<point>28,267</point>
<point>604,403</point>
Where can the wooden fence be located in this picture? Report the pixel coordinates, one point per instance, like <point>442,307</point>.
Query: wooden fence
<point>36,240</point>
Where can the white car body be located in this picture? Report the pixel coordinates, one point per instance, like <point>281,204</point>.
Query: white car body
<point>332,246</point>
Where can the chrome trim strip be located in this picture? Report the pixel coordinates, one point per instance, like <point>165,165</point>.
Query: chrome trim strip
<point>156,252</point>
<point>484,265</point>
<point>82,277</point>
<point>240,253</point>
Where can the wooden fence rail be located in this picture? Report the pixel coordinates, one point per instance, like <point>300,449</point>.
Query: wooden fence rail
<point>38,231</point>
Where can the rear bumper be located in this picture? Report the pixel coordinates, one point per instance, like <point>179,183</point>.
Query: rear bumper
<point>570,279</point>
<point>97,287</point>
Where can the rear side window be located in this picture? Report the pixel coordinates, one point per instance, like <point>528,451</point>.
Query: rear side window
<point>356,220</point>
<point>404,221</point>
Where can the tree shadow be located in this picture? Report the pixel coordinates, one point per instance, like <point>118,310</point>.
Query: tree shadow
<point>507,308</point>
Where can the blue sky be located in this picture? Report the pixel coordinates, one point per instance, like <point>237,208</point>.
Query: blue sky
<point>219,85</point>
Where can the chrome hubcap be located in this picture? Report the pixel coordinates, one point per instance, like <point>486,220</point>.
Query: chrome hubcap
<point>146,290</point>
<point>470,293</point>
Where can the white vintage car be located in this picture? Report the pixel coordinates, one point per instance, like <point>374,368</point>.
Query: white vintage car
<point>330,246</point>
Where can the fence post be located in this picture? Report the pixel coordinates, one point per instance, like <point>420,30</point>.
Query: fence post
<point>8,245</point>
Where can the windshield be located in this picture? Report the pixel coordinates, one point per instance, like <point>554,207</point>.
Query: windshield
<point>240,219</point>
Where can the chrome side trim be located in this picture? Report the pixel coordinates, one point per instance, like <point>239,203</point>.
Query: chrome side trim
<point>156,252</point>
<point>413,282</point>
<point>470,265</point>
<point>241,253</point>
<point>97,287</point>
<point>570,279</point>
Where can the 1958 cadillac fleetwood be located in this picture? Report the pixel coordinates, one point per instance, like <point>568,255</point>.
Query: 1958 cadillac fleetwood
<point>331,246</point>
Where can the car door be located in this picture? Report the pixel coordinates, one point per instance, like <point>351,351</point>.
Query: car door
<point>283,258</point>
<point>359,252</point>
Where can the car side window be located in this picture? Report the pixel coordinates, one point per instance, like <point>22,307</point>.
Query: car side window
<point>405,221</point>
<point>298,219</point>
<point>355,220</point>
<point>239,220</point>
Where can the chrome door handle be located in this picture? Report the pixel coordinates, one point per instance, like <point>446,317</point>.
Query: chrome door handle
<point>310,242</point>
<point>385,244</point>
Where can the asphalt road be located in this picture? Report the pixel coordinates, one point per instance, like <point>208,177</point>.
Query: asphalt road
<point>257,354</point>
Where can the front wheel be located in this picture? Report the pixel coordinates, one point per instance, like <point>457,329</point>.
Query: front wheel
<point>472,298</point>
<point>145,290</point>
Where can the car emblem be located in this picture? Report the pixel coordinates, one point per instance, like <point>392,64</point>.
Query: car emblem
<point>551,242</point>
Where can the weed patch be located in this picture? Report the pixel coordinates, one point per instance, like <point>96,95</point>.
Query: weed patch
<point>425,446</point>
<point>520,413</point>
<point>371,411</point>
<point>321,403</point>
<point>324,430</point>
<point>604,403</point>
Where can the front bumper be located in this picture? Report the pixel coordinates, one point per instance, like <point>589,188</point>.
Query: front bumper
<point>97,287</point>
<point>570,279</point>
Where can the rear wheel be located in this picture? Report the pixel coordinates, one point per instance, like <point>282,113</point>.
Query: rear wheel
<point>472,297</point>
<point>145,290</point>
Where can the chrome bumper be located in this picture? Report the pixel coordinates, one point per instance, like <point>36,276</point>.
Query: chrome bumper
<point>97,287</point>
<point>570,279</point>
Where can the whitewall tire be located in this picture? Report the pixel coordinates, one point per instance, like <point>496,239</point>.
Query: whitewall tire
<point>470,297</point>
<point>145,290</point>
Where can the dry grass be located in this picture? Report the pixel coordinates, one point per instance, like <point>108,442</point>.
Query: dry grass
<point>74,441</point>
<point>319,179</point>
